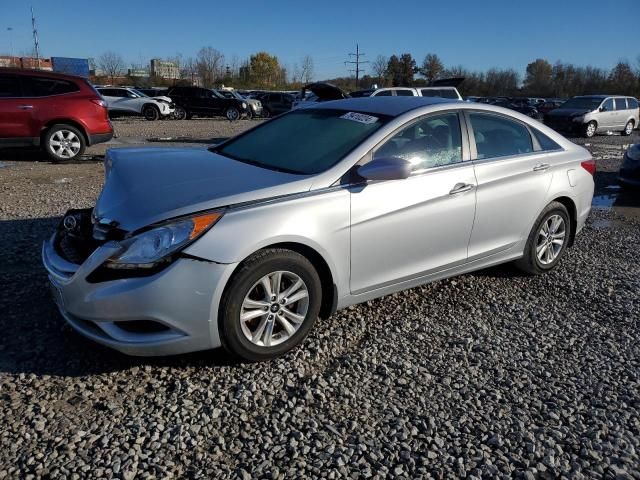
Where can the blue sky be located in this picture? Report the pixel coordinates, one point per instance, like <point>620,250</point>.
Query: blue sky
<point>475,34</point>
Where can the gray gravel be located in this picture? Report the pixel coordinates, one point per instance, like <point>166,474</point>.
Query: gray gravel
<point>489,375</point>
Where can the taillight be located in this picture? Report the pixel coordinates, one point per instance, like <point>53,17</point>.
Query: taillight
<point>99,102</point>
<point>589,166</point>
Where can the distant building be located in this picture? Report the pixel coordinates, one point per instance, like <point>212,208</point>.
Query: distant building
<point>164,69</point>
<point>137,72</point>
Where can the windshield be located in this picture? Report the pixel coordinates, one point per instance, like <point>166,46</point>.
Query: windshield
<point>304,142</point>
<point>582,103</point>
<point>138,92</point>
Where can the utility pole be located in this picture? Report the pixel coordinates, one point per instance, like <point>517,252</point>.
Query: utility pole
<point>35,37</point>
<point>10,30</point>
<point>357,62</point>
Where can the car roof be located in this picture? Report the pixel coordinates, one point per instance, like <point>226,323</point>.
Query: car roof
<point>39,73</point>
<point>393,106</point>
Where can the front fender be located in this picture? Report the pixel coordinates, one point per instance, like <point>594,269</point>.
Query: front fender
<point>317,220</point>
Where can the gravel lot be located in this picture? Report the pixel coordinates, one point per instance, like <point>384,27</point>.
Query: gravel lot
<point>488,375</point>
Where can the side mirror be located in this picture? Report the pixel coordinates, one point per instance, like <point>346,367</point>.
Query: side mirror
<point>603,109</point>
<point>385,168</point>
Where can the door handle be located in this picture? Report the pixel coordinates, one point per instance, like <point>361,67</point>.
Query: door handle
<point>25,107</point>
<point>541,167</point>
<point>461,188</point>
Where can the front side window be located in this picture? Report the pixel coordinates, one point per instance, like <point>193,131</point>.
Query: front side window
<point>621,103</point>
<point>404,93</point>
<point>497,136</point>
<point>304,142</point>
<point>384,93</point>
<point>448,93</point>
<point>429,92</point>
<point>9,87</point>
<point>607,106</point>
<point>582,103</point>
<point>434,141</point>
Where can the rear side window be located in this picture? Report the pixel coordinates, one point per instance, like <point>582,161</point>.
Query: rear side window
<point>429,92</point>
<point>632,103</point>
<point>44,87</point>
<point>404,93</point>
<point>9,87</point>
<point>621,103</point>
<point>448,93</point>
<point>546,144</point>
<point>497,136</point>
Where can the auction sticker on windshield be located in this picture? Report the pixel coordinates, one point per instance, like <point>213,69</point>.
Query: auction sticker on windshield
<point>359,117</point>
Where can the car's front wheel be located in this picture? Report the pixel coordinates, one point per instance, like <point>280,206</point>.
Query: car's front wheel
<point>547,241</point>
<point>628,128</point>
<point>270,304</point>
<point>590,129</point>
<point>151,113</point>
<point>63,142</point>
<point>232,114</point>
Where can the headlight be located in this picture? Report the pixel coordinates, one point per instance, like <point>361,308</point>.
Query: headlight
<point>578,119</point>
<point>244,105</point>
<point>633,153</point>
<point>154,246</point>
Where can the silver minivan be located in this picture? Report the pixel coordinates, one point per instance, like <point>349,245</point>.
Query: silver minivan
<point>591,114</point>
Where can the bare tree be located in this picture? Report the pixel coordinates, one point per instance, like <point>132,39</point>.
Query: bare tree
<point>189,70</point>
<point>306,69</point>
<point>111,64</point>
<point>380,69</point>
<point>432,67</point>
<point>209,63</point>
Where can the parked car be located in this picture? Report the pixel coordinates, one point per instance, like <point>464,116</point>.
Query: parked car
<point>318,92</point>
<point>61,114</point>
<point>129,101</point>
<point>255,105</point>
<point>591,114</point>
<point>549,105</point>
<point>203,102</point>
<point>630,171</point>
<point>275,103</point>
<point>153,92</point>
<point>444,92</point>
<point>245,244</point>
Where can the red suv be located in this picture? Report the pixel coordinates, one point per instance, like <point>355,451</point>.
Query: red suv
<point>62,114</point>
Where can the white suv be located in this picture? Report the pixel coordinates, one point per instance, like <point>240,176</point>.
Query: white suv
<point>444,92</point>
<point>129,101</point>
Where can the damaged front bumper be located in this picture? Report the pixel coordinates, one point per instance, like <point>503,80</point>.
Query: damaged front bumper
<point>169,312</point>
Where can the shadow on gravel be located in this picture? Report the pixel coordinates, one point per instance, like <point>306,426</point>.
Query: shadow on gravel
<point>35,339</point>
<point>36,155</point>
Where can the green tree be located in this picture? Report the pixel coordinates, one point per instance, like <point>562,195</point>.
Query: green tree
<point>401,70</point>
<point>538,77</point>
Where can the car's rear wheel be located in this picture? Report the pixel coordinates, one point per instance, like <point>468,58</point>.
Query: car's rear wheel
<point>628,128</point>
<point>590,129</point>
<point>179,113</point>
<point>151,113</point>
<point>63,142</point>
<point>270,305</point>
<point>547,241</point>
<point>232,114</point>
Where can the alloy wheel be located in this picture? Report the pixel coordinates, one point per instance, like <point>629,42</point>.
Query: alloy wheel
<point>550,240</point>
<point>629,128</point>
<point>233,114</point>
<point>274,309</point>
<point>591,129</point>
<point>65,144</point>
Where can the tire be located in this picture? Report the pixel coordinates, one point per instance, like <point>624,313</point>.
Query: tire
<point>245,295</point>
<point>232,114</point>
<point>266,113</point>
<point>151,113</point>
<point>180,113</point>
<point>537,259</point>
<point>63,142</point>
<point>590,129</point>
<point>628,128</point>
<point>249,114</point>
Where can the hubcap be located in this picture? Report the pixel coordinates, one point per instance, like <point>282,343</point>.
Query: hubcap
<point>551,238</point>
<point>274,309</point>
<point>591,129</point>
<point>65,144</point>
<point>629,128</point>
<point>232,114</point>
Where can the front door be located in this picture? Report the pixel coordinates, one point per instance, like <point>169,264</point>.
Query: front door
<point>405,229</point>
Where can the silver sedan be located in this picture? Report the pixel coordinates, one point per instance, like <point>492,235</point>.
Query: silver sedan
<point>245,244</point>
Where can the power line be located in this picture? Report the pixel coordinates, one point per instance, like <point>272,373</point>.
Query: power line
<point>357,62</point>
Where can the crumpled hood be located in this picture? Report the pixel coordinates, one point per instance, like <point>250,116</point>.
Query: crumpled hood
<point>144,186</point>
<point>162,97</point>
<point>568,112</point>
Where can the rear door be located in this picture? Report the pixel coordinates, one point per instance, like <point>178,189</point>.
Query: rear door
<point>15,112</point>
<point>513,175</point>
<point>622,114</point>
